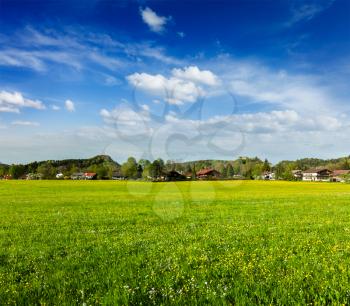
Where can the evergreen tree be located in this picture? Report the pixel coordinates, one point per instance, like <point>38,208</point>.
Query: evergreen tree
<point>266,166</point>
<point>230,171</point>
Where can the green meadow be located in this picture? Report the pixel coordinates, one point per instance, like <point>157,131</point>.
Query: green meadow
<point>228,242</point>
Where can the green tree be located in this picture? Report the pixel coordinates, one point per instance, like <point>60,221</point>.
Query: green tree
<point>139,171</point>
<point>16,171</point>
<point>156,169</point>
<point>266,166</point>
<point>129,168</point>
<point>257,170</point>
<point>46,170</point>
<point>3,170</point>
<point>146,173</point>
<point>224,172</point>
<point>230,171</point>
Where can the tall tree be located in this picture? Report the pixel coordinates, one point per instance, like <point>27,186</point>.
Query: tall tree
<point>46,170</point>
<point>266,166</point>
<point>230,171</point>
<point>129,168</point>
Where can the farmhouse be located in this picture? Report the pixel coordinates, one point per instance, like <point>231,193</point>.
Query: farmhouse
<point>208,174</point>
<point>34,176</point>
<point>317,175</point>
<point>189,175</point>
<point>77,176</point>
<point>90,175</point>
<point>339,175</point>
<point>174,176</point>
<point>83,176</point>
<point>118,176</point>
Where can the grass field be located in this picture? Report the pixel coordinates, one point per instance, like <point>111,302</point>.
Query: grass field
<point>105,242</point>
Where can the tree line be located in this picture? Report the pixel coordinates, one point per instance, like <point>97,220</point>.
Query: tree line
<point>105,167</point>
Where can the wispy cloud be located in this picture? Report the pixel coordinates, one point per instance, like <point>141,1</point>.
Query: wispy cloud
<point>38,50</point>
<point>305,11</point>
<point>25,123</point>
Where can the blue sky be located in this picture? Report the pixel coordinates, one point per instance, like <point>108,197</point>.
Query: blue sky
<point>181,80</point>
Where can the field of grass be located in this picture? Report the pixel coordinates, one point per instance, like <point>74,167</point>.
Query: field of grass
<point>105,242</point>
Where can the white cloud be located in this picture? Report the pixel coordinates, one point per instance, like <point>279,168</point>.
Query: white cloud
<point>55,107</point>
<point>193,73</point>
<point>223,136</point>
<point>8,109</point>
<point>14,101</point>
<point>155,23</point>
<point>296,92</point>
<point>69,105</point>
<point>251,82</point>
<point>25,123</point>
<point>127,122</point>
<point>183,86</point>
<point>175,91</point>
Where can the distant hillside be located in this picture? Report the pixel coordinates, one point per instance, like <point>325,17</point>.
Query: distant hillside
<point>103,165</point>
<point>5,166</point>
<point>307,163</point>
<point>81,164</point>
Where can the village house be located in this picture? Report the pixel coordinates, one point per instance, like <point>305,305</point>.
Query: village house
<point>297,174</point>
<point>174,176</point>
<point>34,176</point>
<point>208,174</point>
<point>90,175</point>
<point>59,176</point>
<point>317,175</point>
<point>118,176</point>
<point>339,175</point>
<point>77,176</point>
<point>269,176</point>
<point>83,176</point>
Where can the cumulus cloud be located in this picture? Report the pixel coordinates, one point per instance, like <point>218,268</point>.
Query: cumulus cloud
<point>217,135</point>
<point>193,73</point>
<point>184,85</point>
<point>155,22</point>
<point>127,122</point>
<point>69,105</point>
<point>13,101</point>
<point>25,123</point>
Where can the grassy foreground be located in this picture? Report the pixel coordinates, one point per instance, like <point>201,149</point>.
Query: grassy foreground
<point>71,242</point>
